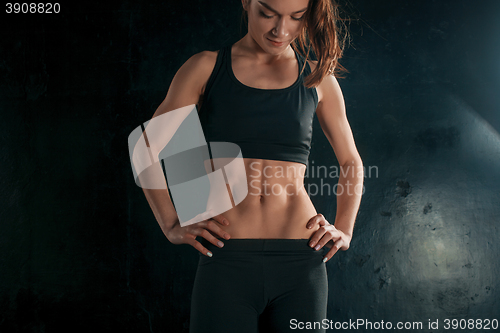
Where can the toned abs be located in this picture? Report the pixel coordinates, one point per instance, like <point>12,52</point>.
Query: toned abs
<point>277,204</point>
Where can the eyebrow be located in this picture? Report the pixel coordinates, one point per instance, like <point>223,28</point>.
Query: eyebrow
<point>273,10</point>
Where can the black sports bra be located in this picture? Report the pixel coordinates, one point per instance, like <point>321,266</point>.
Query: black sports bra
<point>273,124</point>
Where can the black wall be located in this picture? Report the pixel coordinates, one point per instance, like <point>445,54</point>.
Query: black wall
<point>80,249</point>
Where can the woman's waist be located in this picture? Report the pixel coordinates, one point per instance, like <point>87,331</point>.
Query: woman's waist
<point>270,217</point>
<point>266,204</point>
<point>277,189</point>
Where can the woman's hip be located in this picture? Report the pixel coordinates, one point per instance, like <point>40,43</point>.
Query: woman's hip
<point>268,259</point>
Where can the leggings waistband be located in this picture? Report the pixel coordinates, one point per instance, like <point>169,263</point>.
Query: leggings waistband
<point>261,245</point>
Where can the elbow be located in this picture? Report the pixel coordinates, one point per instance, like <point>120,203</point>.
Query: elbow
<point>352,161</point>
<point>354,166</point>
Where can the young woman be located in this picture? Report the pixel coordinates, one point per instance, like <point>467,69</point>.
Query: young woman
<point>261,268</point>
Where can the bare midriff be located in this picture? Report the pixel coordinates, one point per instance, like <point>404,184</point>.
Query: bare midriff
<point>277,204</point>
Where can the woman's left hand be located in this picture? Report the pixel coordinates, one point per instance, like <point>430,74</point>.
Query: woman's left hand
<point>327,235</point>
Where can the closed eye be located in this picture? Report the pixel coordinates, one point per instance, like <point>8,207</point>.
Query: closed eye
<point>264,15</point>
<point>268,17</point>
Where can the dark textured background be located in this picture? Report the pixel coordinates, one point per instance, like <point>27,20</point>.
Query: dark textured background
<point>80,249</point>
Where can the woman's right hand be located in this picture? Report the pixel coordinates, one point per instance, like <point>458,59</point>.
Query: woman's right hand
<point>206,229</point>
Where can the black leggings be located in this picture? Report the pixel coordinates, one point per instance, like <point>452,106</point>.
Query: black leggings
<point>259,285</point>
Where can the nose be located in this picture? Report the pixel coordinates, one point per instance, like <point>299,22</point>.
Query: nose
<point>281,29</point>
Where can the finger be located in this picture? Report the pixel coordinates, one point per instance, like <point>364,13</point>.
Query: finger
<point>330,235</point>
<point>221,219</point>
<point>216,229</point>
<point>327,237</point>
<point>311,222</point>
<point>197,245</point>
<point>317,219</point>
<point>202,232</point>
<point>317,236</point>
<point>332,251</point>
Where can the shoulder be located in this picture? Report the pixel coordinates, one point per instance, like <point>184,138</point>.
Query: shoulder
<point>188,83</point>
<point>197,69</point>
<point>202,60</point>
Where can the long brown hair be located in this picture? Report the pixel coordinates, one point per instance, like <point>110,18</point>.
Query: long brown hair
<point>325,33</point>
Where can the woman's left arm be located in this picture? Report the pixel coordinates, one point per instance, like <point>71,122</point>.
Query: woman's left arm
<point>332,117</point>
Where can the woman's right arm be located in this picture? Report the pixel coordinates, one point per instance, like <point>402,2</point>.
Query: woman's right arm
<point>186,89</point>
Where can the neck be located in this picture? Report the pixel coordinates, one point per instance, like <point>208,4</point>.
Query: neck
<point>248,46</point>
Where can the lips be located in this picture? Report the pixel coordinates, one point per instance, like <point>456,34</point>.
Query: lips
<point>275,43</point>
